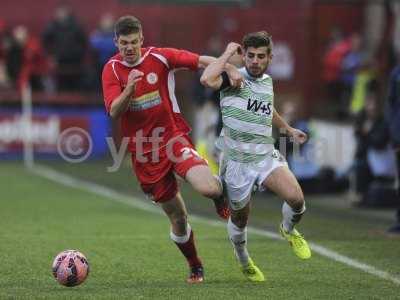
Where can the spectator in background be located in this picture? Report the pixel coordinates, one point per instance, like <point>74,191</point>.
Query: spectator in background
<point>332,62</point>
<point>351,61</point>
<point>65,40</point>
<point>375,171</point>
<point>365,75</point>
<point>102,44</point>
<point>25,59</point>
<point>393,117</point>
<point>377,21</point>
<point>350,67</point>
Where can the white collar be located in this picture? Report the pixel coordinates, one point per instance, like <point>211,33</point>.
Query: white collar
<point>246,74</point>
<point>136,63</point>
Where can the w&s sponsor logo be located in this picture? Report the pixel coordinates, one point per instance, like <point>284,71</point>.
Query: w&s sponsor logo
<point>259,106</point>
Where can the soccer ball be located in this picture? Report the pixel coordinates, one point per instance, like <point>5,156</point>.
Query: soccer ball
<point>70,268</point>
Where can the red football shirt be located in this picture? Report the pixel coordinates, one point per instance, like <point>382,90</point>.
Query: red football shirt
<point>153,106</point>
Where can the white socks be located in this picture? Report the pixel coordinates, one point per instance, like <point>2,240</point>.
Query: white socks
<point>238,238</point>
<point>181,239</point>
<point>291,217</point>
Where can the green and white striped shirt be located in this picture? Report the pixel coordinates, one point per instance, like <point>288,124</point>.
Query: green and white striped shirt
<point>247,119</point>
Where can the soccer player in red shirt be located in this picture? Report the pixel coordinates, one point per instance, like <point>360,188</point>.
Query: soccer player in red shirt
<point>138,86</point>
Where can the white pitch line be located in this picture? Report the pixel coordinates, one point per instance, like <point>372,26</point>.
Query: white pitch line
<point>111,194</point>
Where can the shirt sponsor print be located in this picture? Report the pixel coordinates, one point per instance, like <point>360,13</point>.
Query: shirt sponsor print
<point>145,101</point>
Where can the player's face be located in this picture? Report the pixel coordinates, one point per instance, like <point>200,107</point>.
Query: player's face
<point>256,60</point>
<point>129,46</point>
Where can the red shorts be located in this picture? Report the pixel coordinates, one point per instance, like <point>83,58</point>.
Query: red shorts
<point>155,170</point>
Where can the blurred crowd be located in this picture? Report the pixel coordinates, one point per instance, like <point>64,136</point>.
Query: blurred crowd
<point>361,75</point>
<point>62,58</point>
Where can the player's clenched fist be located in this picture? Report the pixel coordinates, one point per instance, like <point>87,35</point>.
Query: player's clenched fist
<point>233,48</point>
<point>298,136</point>
<point>236,78</point>
<point>133,77</point>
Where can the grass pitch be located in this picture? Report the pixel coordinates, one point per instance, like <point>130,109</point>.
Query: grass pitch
<point>131,256</point>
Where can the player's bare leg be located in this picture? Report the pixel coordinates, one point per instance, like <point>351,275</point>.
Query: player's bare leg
<point>182,234</point>
<point>283,183</point>
<point>204,182</point>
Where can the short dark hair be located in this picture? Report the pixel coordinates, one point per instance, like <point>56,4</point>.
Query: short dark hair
<point>127,25</point>
<point>258,39</point>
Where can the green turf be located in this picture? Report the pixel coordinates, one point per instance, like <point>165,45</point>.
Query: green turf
<point>131,256</point>
<point>357,233</point>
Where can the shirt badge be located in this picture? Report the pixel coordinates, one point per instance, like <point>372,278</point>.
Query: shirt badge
<point>152,78</point>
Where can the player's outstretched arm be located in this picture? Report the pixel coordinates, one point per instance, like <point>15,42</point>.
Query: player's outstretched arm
<point>121,103</point>
<point>298,135</point>
<point>205,61</point>
<point>212,74</point>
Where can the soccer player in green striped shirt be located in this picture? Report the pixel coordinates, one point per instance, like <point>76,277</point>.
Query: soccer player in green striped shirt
<point>249,157</point>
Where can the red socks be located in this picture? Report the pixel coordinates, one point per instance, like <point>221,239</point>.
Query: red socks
<point>188,249</point>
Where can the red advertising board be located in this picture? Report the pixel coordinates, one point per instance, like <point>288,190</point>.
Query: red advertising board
<point>43,132</point>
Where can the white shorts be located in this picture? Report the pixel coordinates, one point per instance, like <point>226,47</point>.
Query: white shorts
<point>240,178</point>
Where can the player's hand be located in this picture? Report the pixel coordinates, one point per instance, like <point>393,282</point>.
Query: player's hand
<point>133,77</point>
<point>233,48</point>
<point>298,136</point>
<point>235,76</point>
